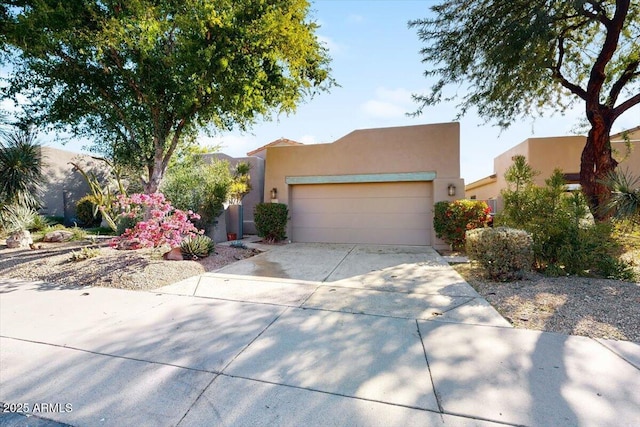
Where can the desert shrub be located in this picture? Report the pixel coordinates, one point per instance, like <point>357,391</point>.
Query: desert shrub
<point>54,219</point>
<point>84,253</point>
<point>452,219</point>
<point>271,221</point>
<point>39,223</point>
<point>504,253</point>
<point>16,217</point>
<point>566,240</point>
<point>197,247</point>
<point>87,212</point>
<point>192,184</point>
<point>21,162</point>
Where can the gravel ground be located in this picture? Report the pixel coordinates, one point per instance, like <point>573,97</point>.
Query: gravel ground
<point>142,269</point>
<point>597,308</point>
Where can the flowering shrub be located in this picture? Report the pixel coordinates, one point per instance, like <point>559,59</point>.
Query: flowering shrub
<point>452,219</point>
<point>161,224</point>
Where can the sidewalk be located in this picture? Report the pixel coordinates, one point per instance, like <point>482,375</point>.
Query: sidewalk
<point>379,337</point>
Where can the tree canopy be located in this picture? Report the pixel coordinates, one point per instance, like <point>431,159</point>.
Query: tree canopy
<point>140,77</point>
<point>517,58</point>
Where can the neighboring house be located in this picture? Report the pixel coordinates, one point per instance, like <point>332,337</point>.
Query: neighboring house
<point>64,185</point>
<point>546,154</point>
<point>371,186</point>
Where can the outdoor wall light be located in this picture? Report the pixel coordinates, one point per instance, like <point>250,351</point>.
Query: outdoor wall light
<point>274,193</point>
<point>451,190</point>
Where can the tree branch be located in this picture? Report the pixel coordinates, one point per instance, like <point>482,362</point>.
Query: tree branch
<point>626,76</point>
<point>634,100</point>
<point>557,73</point>
<point>597,76</point>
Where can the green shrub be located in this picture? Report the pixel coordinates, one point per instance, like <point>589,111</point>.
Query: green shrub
<point>85,210</point>
<point>202,188</point>
<point>271,221</point>
<point>197,247</point>
<point>504,253</point>
<point>39,223</point>
<point>53,219</point>
<point>84,253</point>
<point>452,219</point>
<point>124,222</point>
<point>566,241</point>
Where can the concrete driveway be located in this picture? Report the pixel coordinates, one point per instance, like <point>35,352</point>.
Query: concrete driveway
<point>302,335</point>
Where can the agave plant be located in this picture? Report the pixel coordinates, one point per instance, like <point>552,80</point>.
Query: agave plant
<point>625,195</point>
<point>16,217</point>
<point>197,247</point>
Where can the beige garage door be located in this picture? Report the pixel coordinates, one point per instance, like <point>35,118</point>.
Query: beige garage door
<point>381,213</point>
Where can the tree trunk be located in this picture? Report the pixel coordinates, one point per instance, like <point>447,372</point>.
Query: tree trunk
<point>596,163</point>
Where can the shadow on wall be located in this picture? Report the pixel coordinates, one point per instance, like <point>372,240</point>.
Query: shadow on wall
<point>64,185</point>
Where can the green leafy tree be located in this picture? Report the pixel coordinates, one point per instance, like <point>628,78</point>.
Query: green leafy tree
<point>521,57</point>
<point>142,77</point>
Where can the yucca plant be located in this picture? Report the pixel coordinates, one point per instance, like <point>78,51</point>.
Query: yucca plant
<point>197,247</point>
<point>624,202</point>
<point>21,175</point>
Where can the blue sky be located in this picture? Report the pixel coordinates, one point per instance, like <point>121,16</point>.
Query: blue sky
<point>376,62</point>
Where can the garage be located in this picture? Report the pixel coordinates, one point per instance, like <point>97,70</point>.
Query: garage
<point>395,213</point>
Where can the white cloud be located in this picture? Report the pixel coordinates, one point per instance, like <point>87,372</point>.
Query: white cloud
<point>355,18</point>
<point>308,139</point>
<point>232,145</point>
<point>382,109</point>
<point>388,103</point>
<point>399,96</point>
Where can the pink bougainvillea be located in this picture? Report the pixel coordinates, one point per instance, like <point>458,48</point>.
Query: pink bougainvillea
<point>161,224</point>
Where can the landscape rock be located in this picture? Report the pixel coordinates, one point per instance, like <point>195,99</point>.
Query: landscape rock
<point>58,236</point>
<point>174,254</point>
<point>19,239</point>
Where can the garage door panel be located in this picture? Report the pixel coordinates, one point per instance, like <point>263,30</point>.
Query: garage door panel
<point>415,237</point>
<point>347,191</point>
<point>395,205</point>
<point>365,221</point>
<point>383,213</point>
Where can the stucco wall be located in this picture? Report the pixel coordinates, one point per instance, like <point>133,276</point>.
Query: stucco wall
<point>546,154</point>
<point>423,148</point>
<point>63,185</point>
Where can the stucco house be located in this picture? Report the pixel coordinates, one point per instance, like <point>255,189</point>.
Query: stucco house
<point>371,186</point>
<point>545,155</point>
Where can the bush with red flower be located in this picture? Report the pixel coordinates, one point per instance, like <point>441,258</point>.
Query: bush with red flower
<point>451,220</point>
<point>161,224</point>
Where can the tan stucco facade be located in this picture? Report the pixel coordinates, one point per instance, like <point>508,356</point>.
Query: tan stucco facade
<point>64,185</point>
<point>547,154</point>
<point>424,153</point>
